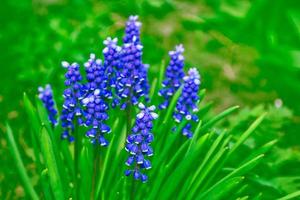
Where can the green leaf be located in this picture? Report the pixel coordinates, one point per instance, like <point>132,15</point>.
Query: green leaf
<point>217,118</point>
<point>222,189</point>
<point>247,133</point>
<point>199,174</point>
<point>20,165</point>
<point>51,164</point>
<point>106,161</point>
<point>291,196</point>
<point>237,172</point>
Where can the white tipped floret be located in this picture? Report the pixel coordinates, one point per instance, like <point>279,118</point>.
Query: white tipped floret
<point>107,41</point>
<point>154,115</point>
<point>133,17</point>
<point>140,115</point>
<point>85,101</point>
<point>92,56</point>
<point>141,106</point>
<point>180,57</point>
<point>115,40</point>
<point>87,64</point>
<point>110,41</point>
<point>152,108</point>
<point>188,117</point>
<point>105,50</point>
<point>179,48</point>
<point>65,64</point>
<point>40,89</point>
<point>98,61</point>
<point>139,47</point>
<point>193,73</point>
<point>96,92</point>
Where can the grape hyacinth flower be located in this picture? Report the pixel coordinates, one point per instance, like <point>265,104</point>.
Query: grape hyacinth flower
<point>72,95</point>
<point>96,109</point>
<point>46,96</point>
<point>173,76</point>
<point>132,30</point>
<point>96,76</point>
<point>132,76</point>
<point>111,65</point>
<point>187,103</point>
<point>138,143</point>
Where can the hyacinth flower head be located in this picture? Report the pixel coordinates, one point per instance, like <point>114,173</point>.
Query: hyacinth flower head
<point>132,76</point>
<point>96,115</point>
<point>111,54</point>
<point>173,76</point>
<point>96,76</point>
<point>138,143</point>
<point>187,103</point>
<point>46,96</point>
<point>132,30</point>
<point>74,92</point>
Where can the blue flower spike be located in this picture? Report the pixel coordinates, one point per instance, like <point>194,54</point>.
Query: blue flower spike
<point>138,143</point>
<point>46,96</point>
<point>132,30</point>
<point>173,76</point>
<point>94,72</point>
<point>132,81</point>
<point>111,54</point>
<point>186,106</point>
<point>73,94</point>
<point>96,115</point>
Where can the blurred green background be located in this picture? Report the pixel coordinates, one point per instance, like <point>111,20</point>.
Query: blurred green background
<point>248,53</point>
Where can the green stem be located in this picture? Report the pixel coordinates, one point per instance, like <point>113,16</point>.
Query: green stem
<point>95,174</point>
<point>128,118</point>
<point>76,161</point>
<point>133,185</point>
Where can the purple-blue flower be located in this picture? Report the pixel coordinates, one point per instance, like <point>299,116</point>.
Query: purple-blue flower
<point>173,76</point>
<point>74,92</point>
<point>95,115</point>
<point>96,77</point>
<point>187,103</point>
<point>138,143</point>
<point>111,54</point>
<point>132,30</point>
<point>46,95</point>
<point>132,75</point>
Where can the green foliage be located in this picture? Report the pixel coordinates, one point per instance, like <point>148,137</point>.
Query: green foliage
<point>198,165</point>
<point>247,53</point>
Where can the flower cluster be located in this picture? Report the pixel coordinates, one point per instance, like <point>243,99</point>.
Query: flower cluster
<point>46,95</point>
<point>111,54</point>
<point>132,30</point>
<point>138,143</point>
<point>132,78</point>
<point>173,76</point>
<point>95,115</point>
<point>187,103</point>
<point>121,79</point>
<point>74,92</point>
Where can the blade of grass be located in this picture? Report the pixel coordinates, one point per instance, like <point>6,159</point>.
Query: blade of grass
<point>85,172</point>
<point>217,118</point>
<point>237,172</point>
<point>206,171</point>
<point>106,160</point>
<point>222,189</point>
<point>247,133</point>
<point>51,163</point>
<point>179,174</point>
<point>291,196</point>
<point>20,165</point>
<point>208,155</point>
